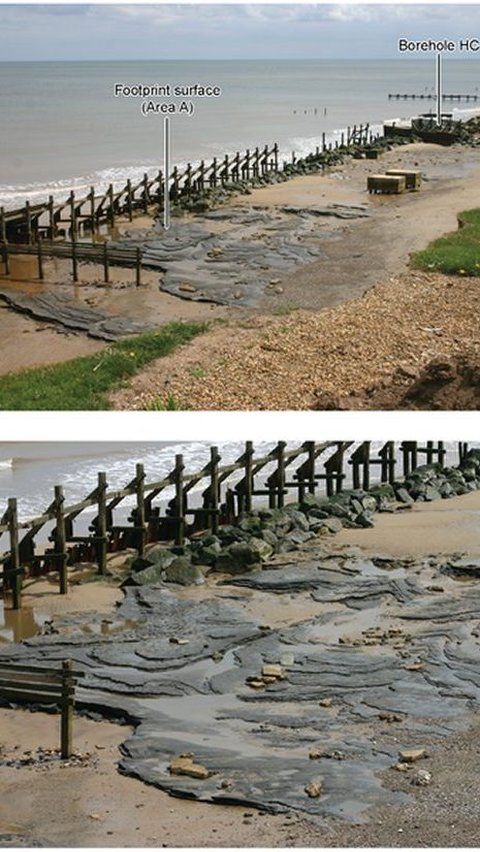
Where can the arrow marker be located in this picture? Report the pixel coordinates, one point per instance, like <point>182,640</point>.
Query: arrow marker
<point>439,89</point>
<point>166,172</point>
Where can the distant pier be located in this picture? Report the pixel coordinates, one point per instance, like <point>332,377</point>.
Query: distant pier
<point>431,96</point>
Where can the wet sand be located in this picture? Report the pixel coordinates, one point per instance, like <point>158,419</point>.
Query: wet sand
<point>96,806</point>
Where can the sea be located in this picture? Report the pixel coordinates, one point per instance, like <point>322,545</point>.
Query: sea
<point>62,127</point>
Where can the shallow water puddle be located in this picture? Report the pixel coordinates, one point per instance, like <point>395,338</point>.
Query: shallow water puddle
<point>16,625</point>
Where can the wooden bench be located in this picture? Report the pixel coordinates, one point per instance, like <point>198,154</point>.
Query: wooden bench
<point>43,686</point>
<point>389,184</point>
<point>413,179</point>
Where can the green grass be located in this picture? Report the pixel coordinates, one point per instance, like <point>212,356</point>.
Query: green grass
<point>83,384</point>
<point>457,253</point>
<point>198,372</point>
<point>170,404</point>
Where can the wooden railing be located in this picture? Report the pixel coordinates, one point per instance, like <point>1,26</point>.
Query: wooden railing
<point>35,685</point>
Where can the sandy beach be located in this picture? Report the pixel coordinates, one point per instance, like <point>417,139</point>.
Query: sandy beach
<point>97,806</point>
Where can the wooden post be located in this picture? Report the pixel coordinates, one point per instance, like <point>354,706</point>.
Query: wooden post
<point>213,177</point>
<point>52,230</point>
<point>236,167</point>
<point>179,501</point>
<point>74,260</point>
<point>280,474</point>
<point>140,514</point>
<point>275,156</point>
<point>188,178</point>
<point>16,574</point>
<point>111,209</point>
<point>214,489</point>
<point>60,540</point>
<point>366,465</point>
<point>93,218</point>
<point>265,160</point>
<point>138,266</point>
<point>441,452</point>
<point>73,218</point>
<point>201,179</point>
<point>175,184</point>
<point>129,200</point>
<point>311,466</point>
<point>324,147</point>
<point>102,524</point>
<point>255,162</point>
<point>225,170</point>
<point>106,276</point>
<point>6,259</point>
<point>28,220</point>
<point>67,704</point>
<point>249,451</point>
<point>247,162</point>
<point>146,193</point>
<point>40,260</point>
<point>3,225</point>
<point>387,455</point>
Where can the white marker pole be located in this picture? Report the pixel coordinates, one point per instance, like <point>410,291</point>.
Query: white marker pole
<point>439,90</point>
<point>166,173</point>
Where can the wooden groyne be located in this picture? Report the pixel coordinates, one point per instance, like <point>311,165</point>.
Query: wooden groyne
<point>77,218</point>
<point>227,492</point>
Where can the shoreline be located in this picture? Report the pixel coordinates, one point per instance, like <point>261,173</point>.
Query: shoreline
<point>90,789</point>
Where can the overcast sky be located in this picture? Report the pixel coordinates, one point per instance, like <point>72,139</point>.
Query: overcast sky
<point>168,31</point>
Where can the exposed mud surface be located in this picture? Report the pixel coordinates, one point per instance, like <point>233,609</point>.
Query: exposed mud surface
<point>65,311</point>
<point>236,264</point>
<point>189,671</point>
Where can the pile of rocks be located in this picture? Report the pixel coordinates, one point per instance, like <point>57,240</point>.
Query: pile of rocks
<point>263,533</point>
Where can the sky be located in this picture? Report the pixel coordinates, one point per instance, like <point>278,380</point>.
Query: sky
<point>224,31</point>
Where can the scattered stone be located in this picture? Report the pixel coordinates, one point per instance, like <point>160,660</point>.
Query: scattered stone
<point>326,702</point>
<point>387,716</point>
<point>184,765</point>
<point>314,789</point>
<point>422,778</point>
<point>315,754</point>
<point>273,670</point>
<point>411,755</point>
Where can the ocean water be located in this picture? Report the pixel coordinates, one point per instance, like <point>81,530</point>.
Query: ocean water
<point>62,128</point>
<point>29,471</point>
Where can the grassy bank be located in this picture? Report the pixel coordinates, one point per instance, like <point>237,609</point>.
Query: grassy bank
<point>83,384</point>
<point>457,253</point>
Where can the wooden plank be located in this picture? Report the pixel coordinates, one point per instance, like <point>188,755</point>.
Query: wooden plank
<point>17,667</point>
<point>32,696</point>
